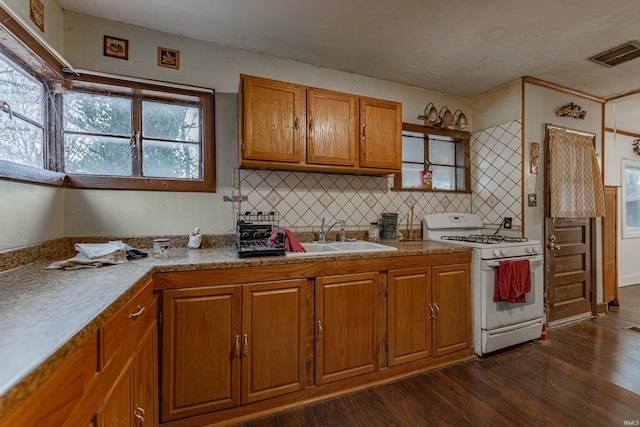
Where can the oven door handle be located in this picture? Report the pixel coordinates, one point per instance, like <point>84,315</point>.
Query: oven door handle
<point>534,260</point>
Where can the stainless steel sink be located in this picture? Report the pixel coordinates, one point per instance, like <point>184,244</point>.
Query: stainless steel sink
<point>336,248</point>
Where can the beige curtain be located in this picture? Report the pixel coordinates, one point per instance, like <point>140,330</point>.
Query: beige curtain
<point>574,180</point>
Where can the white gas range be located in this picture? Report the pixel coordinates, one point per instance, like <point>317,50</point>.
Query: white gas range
<point>496,325</point>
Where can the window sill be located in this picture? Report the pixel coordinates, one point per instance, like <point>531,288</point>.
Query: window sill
<point>424,190</point>
<point>28,174</point>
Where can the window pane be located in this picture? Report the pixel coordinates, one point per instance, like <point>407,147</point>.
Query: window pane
<point>97,155</point>
<point>24,94</point>
<point>171,160</point>
<point>631,183</point>
<point>20,142</point>
<point>632,214</point>
<point>442,152</point>
<point>411,175</point>
<point>413,149</point>
<point>97,114</point>
<point>444,177</point>
<point>170,122</point>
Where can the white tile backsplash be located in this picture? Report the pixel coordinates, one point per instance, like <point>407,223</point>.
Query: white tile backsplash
<point>303,199</point>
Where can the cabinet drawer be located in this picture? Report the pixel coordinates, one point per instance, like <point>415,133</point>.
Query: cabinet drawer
<point>121,333</point>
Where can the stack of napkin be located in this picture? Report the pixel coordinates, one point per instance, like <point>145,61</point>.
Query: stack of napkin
<point>94,255</point>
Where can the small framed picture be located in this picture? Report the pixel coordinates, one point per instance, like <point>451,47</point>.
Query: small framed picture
<point>116,48</point>
<point>37,13</point>
<point>169,58</point>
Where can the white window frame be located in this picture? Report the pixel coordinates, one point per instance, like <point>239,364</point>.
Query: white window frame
<point>627,232</point>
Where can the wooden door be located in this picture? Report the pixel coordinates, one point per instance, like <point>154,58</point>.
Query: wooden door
<point>273,117</point>
<point>610,246</point>
<point>452,304</point>
<point>346,326</point>
<point>200,350</point>
<point>332,130</point>
<point>145,380</point>
<point>410,336</point>
<point>380,134</point>
<point>568,261</point>
<point>274,316</point>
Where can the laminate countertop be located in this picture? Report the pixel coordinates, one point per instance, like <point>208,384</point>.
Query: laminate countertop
<point>46,314</point>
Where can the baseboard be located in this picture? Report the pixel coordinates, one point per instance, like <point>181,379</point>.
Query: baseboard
<point>629,280</point>
<point>602,308</point>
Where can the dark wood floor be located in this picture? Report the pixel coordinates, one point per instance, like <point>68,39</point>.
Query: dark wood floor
<point>585,374</point>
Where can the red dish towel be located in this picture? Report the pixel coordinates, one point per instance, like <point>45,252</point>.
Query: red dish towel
<point>513,281</point>
<point>291,243</point>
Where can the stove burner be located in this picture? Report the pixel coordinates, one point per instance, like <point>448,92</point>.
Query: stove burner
<point>486,239</point>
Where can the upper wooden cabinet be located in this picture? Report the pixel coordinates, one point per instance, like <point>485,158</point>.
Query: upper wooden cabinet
<point>380,134</point>
<point>285,126</point>
<point>332,133</point>
<point>273,117</point>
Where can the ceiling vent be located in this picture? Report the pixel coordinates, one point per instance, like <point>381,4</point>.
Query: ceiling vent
<point>618,55</point>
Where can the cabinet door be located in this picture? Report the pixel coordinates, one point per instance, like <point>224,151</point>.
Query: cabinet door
<point>332,129</point>
<point>380,134</point>
<point>118,411</point>
<point>452,301</point>
<point>346,319</point>
<point>410,335</point>
<point>200,357</point>
<point>274,316</point>
<point>145,380</point>
<point>273,121</point>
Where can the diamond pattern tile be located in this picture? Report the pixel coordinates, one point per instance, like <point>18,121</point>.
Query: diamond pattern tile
<point>303,199</point>
<point>496,175</point>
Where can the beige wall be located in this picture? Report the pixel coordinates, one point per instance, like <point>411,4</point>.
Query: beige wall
<point>497,106</point>
<point>30,214</point>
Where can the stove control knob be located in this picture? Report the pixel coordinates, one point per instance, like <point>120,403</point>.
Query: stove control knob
<point>535,249</point>
<point>503,253</point>
<point>496,253</point>
<point>244,236</point>
<point>256,235</point>
<point>529,250</point>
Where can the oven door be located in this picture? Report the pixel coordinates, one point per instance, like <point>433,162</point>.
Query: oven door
<point>503,313</point>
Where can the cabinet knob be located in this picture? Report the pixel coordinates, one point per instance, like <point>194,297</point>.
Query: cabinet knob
<point>431,312</point>
<point>435,305</point>
<point>319,333</point>
<point>296,123</point>
<point>311,124</point>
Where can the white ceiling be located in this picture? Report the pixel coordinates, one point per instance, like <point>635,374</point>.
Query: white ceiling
<point>461,47</point>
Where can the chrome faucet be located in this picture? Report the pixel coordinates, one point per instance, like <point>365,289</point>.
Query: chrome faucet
<point>323,233</point>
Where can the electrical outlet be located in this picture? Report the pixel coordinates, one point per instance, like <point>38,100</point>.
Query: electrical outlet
<point>507,222</point>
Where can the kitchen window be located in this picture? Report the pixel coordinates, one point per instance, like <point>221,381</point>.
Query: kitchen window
<point>433,159</point>
<point>22,120</point>
<point>137,136</point>
<point>631,199</point>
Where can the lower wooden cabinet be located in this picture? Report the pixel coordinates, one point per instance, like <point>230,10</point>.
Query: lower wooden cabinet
<point>452,305</point>
<point>346,326</point>
<point>227,345</point>
<point>429,312</point>
<point>409,319</point>
<point>133,400</point>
